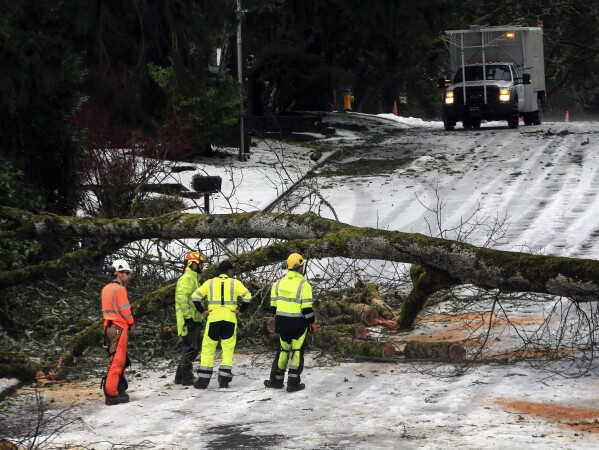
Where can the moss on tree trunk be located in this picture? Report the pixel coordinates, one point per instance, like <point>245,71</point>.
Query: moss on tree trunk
<point>17,365</point>
<point>441,351</point>
<point>341,339</point>
<point>371,296</point>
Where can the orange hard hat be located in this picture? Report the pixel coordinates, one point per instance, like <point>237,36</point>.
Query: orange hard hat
<point>196,257</point>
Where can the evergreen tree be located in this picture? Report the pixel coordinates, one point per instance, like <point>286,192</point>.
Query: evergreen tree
<point>39,79</point>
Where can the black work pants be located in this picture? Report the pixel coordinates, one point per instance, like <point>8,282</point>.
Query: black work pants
<point>192,343</point>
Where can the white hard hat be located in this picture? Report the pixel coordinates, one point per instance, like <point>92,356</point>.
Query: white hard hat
<point>120,265</point>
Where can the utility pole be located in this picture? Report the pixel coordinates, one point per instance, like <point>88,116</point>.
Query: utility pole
<point>240,13</point>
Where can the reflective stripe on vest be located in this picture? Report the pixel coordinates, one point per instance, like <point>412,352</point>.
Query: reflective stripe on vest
<point>113,310</point>
<point>222,301</point>
<point>295,300</point>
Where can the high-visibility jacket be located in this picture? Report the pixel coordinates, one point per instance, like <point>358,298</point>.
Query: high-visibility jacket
<point>115,305</point>
<point>348,99</point>
<point>184,307</point>
<point>222,292</point>
<point>292,297</point>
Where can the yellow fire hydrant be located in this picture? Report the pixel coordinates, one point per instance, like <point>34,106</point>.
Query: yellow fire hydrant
<point>348,98</point>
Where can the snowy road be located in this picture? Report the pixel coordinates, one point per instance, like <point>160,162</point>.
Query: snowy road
<point>364,406</point>
<point>544,179</point>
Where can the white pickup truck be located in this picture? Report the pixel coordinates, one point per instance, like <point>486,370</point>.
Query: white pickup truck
<point>498,73</point>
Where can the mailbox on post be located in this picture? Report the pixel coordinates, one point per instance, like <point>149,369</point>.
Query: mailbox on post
<point>206,185</point>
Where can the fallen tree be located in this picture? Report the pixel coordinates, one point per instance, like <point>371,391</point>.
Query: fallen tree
<point>317,237</point>
<point>437,264</point>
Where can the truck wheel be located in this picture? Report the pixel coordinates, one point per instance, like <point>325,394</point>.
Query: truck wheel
<point>537,116</point>
<point>514,118</point>
<point>448,124</point>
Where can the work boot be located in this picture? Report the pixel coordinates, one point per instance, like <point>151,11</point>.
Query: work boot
<point>223,382</point>
<point>273,384</point>
<point>201,383</point>
<point>116,399</point>
<point>188,381</point>
<point>295,387</point>
<point>112,400</point>
<point>178,376</point>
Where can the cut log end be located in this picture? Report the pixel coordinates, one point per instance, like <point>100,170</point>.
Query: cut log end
<point>457,352</point>
<point>388,351</point>
<point>361,331</point>
<point>389,324</point>
<point>43,379</point>
<point>370,316</point>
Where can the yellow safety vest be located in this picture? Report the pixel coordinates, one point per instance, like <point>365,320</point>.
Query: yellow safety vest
<point>222,292</point>
<point>291,294</point>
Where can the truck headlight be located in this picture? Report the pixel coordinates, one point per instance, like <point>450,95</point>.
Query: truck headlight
<point>449,98</point>
<point>504,95</point>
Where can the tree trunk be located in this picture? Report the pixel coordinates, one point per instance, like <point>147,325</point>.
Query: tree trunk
<point>73,260</point>
<point>358,312</point>
<point>17,365</point>
<point>341,339</point>
<point>372,297</point>
<point>91,335</point>
<point>426,281</point>
<point>441,351</point>
<point>316,237</point>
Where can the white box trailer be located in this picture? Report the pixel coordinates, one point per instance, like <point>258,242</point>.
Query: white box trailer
<point>496,73</point>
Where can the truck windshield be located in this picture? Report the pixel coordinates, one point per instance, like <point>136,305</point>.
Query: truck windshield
<point>493,72</point>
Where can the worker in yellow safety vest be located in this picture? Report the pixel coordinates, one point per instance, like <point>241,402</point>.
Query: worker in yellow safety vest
<point>222,294</point>
<point>291,302</point>
<point>189,318</point>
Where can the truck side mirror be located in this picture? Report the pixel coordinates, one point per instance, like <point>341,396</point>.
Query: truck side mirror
<point>526,78</point>
<point>442,83</point>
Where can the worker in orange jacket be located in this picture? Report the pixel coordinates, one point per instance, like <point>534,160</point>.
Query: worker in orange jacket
<point>348,99</point>
<point>118,322</point>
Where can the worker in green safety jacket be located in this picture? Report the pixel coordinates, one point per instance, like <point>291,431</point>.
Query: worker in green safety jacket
<point>291,302</point>
<point>222,294</point>
<point>189,318</point>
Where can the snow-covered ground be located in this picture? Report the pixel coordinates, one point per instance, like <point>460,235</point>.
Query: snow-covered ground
<point>354,405</point>
<point>543,180</point>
